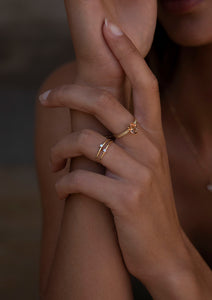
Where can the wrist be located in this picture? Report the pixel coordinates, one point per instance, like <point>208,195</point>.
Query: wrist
<point>175,277</point>
<point>121,90</point>
<point>96,75</point>
<point>184,275</point>
<point>178,284</point>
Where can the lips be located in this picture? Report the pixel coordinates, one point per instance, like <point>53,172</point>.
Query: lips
<point>180,6</point>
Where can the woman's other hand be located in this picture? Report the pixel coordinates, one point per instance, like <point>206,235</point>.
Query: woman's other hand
<point>95,63</point>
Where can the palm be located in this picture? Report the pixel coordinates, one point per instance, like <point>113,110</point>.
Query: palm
<point>137,18</point>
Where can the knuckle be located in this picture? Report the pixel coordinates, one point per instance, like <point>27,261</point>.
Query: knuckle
<point>105,99</point>
<point>125,192</point>
<point>139,175</point>
<point>143,179</point>
<point>83,136</point>
<point>76,178</point>
<point>69,184</point>
<point>61,92</point>
<point>135,192</point>
<point>149,81</point>
<point>156,155</point>
<point>131,195</point>
<point>147,179</point>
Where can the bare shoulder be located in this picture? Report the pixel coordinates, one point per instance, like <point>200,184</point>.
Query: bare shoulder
<point>62,75</point>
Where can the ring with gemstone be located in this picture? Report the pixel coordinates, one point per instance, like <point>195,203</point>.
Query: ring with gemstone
<point>132,128</point>
<point>103,147</point>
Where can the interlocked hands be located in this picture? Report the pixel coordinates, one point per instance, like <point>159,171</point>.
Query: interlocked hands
<point>137,185</point>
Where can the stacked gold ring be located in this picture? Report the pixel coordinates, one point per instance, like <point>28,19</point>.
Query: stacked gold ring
<point>103,148</point>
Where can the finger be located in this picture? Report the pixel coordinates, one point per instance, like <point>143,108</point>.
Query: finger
<point>103,105</point>
<point>102,188</point>
<point>144,83</point>
<point>87,143</point>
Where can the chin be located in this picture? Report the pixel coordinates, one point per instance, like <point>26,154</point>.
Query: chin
<point>192,28</point>
<point>188,35</point>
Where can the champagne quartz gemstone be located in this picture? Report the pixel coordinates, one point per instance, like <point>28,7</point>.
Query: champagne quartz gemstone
<point>133,128</point>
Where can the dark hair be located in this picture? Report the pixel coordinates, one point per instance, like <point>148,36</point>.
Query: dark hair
<point>163,56</point>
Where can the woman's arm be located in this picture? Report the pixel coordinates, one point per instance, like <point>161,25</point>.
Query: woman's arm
<point>188,278</point>
<point>89,263</point>
<point>96,65</point>
<point>47,133</point>
<point>140,196</point>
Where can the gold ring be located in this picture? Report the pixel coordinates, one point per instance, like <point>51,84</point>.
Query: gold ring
<point>103,148</point>
<point>132,128</point>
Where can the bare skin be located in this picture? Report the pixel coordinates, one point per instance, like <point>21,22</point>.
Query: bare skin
<point>190,185</point>
<point>95,64</point>
<point>115,268</point>
<point>173,156</point>
<point>191,94</point>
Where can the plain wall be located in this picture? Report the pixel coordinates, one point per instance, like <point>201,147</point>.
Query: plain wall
<point>34,40</point>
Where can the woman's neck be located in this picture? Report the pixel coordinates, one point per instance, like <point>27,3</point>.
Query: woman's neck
<point>191,94</point>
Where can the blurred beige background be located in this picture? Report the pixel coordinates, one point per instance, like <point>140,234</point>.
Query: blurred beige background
<point>34,39</point>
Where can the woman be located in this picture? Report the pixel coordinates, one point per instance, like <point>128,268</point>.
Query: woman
<point>136,218</point>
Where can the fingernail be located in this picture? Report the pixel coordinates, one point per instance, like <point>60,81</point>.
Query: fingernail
<point>115,30</point>
<point>44,96</point>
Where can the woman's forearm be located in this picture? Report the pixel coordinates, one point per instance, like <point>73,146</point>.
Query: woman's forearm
<point>188,278</point>
<point>88,263</point>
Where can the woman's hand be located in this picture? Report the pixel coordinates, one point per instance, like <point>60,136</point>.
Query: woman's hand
<point>137,186</point>
<point>95,63</point>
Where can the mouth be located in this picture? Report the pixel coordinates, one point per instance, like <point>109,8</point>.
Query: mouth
<point>180,6</point>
